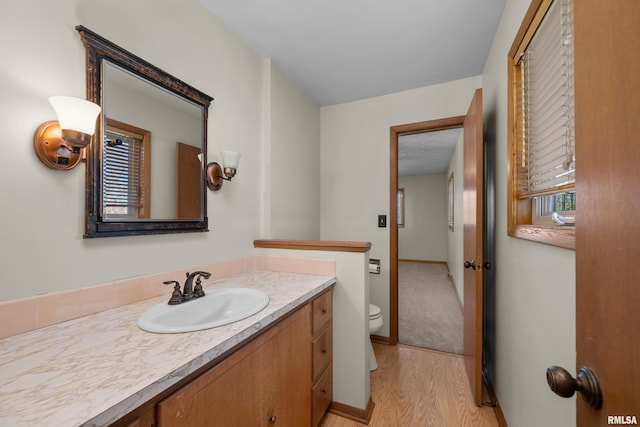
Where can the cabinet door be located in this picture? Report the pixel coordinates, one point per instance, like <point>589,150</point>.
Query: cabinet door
<point>227,395</point>
<point>267,382</point>
<point>287,373</point>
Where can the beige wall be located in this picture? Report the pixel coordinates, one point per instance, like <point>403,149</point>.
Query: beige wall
<point>42,214</point>
<point>424,236</point>
<point>535,283</point>
<point>292,160</point>
<point>355,165</point>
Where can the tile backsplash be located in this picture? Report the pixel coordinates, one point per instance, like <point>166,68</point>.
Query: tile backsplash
<point>26,314</point>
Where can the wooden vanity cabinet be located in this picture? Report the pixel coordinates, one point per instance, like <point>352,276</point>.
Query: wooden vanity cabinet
<point>144,419</point>
<point>270,381</point>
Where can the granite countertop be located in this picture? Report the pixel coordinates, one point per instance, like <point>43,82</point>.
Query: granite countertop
<point>97,368</point>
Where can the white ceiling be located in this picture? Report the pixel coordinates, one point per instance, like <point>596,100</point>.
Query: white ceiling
<point>345,50</point>
<point>426,153</point>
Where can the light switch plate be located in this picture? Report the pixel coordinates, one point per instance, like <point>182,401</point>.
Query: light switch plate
<point>382,221</point>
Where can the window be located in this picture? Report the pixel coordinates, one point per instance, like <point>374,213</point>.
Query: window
<point>125,172</point>
<point>450,195</point>
<point>545,208</point>
<point>400,207</point>
<point>542,161</point>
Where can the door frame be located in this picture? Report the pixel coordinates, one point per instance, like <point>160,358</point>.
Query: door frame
<point>395,131</point>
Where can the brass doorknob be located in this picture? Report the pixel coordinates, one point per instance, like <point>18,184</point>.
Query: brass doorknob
<point>470,264</point>
<point>563,384</point>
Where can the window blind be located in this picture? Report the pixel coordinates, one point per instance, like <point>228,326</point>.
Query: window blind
<point>122,177</point>
<point>400,207</point>
<point>546,106</point>
<point>450,195</point>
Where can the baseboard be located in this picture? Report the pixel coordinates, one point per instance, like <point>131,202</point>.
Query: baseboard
<point>380,339</point>
<point>423,261</point>
<point>362,416</point>
<point>502,421</point>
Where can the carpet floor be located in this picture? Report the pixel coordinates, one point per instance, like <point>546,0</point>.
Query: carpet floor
<point>429,314</point>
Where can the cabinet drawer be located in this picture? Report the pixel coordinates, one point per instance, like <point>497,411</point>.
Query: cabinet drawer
<point>322,352</point>
<point>322,312</point>
<point>321,396</point>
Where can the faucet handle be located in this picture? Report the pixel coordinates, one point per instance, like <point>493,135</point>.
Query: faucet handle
<point>197,290</point>
<point>176,296</point>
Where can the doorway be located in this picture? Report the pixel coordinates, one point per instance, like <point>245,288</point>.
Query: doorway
<point>472,228</point>
<point>396,132</point>
<point>429,241</point>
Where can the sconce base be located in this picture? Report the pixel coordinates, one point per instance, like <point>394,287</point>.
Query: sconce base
<point>214,176</point>
<point>52,150</point>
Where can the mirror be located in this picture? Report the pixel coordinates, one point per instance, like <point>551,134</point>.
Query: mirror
<point>144,174</point>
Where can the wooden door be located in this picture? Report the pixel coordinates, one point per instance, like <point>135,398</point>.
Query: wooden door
<point>188,182</point>
<point>473,257</point>
<point>607,94</point>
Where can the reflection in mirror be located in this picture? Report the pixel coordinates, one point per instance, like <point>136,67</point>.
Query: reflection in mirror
<point>126,170</point>
<point>144,174</point>
<point>168,119</point>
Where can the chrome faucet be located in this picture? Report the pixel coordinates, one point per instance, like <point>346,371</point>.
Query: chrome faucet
<point>190,292</point>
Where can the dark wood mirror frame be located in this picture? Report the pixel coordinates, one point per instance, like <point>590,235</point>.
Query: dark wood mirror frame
<point>97,50</point>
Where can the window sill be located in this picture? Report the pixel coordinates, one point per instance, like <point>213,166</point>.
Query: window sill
<point>561,236</point>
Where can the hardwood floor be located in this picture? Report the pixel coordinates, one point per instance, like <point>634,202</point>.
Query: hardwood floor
<point>414,387</point>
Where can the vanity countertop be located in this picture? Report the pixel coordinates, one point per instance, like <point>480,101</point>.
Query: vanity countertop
<point>94,369</point>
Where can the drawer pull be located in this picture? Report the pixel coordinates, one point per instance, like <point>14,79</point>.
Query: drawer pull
<point>324,310</point>
<point>324,351</point>
<point>272,419</point>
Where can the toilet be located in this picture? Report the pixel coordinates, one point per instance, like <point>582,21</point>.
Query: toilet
<point>375,324</point>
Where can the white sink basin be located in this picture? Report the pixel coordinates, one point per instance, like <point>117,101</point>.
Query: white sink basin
<point>218,307</point>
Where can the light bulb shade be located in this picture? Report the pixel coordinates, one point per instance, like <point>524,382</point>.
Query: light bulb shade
<point>75,114</point>
<point>230,159</point>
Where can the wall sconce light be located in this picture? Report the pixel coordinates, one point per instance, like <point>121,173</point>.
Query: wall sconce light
<point>58,143</point>
<point>215,174</point>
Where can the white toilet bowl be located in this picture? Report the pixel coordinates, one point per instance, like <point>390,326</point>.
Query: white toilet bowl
<point>375,324</point>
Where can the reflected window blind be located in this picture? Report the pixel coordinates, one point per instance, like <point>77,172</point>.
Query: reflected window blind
<point>122,177</point>
<point>546,104</point>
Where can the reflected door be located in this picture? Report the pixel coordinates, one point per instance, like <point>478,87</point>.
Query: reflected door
<point>189,182</point>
